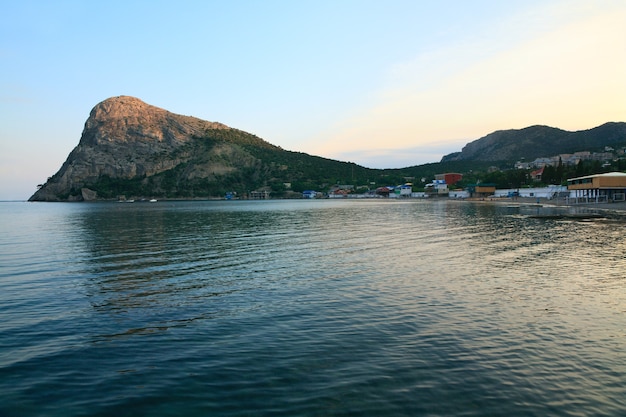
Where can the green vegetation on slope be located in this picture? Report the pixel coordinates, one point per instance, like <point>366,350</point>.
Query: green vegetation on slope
<point>249,163</point>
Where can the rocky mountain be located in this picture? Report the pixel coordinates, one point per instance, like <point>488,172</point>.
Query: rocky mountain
<point>132,149</point>
<point>539,141</point>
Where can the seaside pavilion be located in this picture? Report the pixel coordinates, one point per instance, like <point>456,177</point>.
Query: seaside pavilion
<point>598,188</point>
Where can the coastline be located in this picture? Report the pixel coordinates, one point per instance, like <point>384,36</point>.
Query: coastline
<point>616,207</point>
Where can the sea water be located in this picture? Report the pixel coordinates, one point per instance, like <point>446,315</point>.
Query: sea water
<point>309,308</point>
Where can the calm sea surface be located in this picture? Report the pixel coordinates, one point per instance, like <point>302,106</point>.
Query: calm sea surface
<point>309,308</point>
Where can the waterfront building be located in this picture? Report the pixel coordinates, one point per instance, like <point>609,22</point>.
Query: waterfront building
<point>259,195</point>
<point>450,178</point>
<point>598,188</point>
<point>481,190</point>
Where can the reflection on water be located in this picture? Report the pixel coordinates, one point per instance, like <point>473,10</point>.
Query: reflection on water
<point>311,308</point>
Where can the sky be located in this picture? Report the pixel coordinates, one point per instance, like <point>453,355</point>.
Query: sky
<point>384,84</point>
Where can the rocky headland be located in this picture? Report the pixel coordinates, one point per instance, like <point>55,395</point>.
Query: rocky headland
<point>127,146</point>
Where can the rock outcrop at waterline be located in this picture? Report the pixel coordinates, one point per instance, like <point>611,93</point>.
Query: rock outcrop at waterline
<point>130,147</point>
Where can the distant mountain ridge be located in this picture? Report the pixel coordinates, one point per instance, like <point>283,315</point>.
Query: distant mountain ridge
<point>538,141</point>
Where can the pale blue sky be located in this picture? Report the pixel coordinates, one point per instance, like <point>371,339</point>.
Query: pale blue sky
<point>381,83</point>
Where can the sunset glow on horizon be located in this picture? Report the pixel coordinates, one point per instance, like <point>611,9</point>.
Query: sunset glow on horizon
<point>382,84</point>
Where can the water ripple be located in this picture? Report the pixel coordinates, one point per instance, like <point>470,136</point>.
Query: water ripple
<point>309,308</point>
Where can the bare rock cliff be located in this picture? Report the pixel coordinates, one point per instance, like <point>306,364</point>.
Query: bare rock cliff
<point>125,138</point>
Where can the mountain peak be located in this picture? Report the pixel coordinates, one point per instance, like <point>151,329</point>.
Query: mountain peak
<point>125,108</point>
<point>126,118</point>
<point>126,138</point>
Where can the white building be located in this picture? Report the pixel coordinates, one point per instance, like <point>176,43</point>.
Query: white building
<point>550,192</point>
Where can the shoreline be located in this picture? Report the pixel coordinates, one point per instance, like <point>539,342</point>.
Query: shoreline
<point>617,207</point>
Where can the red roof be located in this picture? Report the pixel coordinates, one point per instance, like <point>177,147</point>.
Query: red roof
<point>537,172</point>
